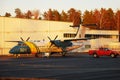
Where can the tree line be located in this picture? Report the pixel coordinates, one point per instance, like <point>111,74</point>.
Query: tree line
<point>105,19</point>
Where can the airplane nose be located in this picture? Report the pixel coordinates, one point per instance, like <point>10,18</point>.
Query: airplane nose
<point>20,50</point>
<point>14,50</point>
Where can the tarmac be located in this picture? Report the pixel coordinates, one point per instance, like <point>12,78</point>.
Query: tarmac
<point>75,66</point>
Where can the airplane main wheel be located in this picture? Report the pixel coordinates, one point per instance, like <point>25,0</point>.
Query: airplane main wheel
<point>16,55</point>
<point>63,53</point>
<point>47,55</point>
<point>37,55</point>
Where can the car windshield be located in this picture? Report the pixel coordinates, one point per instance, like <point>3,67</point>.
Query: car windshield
<point>104,49</point>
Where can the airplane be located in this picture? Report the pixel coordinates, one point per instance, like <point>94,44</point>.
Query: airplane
<point>45,48</point>
<point>48,48</point>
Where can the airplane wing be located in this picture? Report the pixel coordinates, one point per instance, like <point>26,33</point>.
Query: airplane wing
<point>19,41</point>
<point>12,41</point>
<point>76,39</point>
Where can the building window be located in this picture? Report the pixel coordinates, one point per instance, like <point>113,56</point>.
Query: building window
<point>93,36</point>
<point>87,46</point>
<point>69,35</point>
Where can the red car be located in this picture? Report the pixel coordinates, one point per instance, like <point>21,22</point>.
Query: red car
<point>103,52</point>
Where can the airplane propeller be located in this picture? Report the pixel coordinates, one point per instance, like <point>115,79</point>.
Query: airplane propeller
<point>27,38</point>
<point>56,37</point>
<point>52,41</point>
<point>21,38</point>
<point>49,38</point>
<point>24,40</point>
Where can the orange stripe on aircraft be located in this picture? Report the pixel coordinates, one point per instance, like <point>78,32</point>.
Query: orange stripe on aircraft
<point>32,47</point>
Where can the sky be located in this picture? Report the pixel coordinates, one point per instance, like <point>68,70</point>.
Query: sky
<point>44,5</point>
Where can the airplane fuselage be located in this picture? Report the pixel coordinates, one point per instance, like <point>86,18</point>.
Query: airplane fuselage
<point>55,46</point>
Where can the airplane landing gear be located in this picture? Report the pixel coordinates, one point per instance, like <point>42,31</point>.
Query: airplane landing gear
<point>16,55</point>
<point>63,53</point>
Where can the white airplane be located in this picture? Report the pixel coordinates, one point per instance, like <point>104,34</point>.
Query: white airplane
<point>47,47</point>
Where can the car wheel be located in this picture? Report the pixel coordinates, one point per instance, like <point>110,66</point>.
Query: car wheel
<point>95,55</point>
<point>113,55</point>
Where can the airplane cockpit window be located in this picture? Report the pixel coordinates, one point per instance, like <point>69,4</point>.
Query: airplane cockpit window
<point>36,41</point>
<point>22,44</point>
<point>19,44</point>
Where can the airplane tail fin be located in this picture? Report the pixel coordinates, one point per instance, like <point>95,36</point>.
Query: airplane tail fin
<point>81,32</point>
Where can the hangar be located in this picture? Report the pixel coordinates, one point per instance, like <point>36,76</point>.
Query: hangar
<point>11,29</point>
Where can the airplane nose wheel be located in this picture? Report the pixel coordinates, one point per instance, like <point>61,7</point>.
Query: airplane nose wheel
<point>42,55</point>
<point>47,55</point>
<point>16,55</point>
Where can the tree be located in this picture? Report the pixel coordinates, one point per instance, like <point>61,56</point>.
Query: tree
<point>19,14</point>
<point>88,17</point>
<point>64,16</point>
<point>28,15</point>
<point>45,16</point>
<point>97,17</point>
<point>56,15</point>
<point>102,12</point>
<point>108,21</point>
<point>71,14</point>
<point>36,14</point>
<point>74,16</point>
<point>77,18</point>
<point>50,15</point>
<point>7,14</point>
<point>117,19</point>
